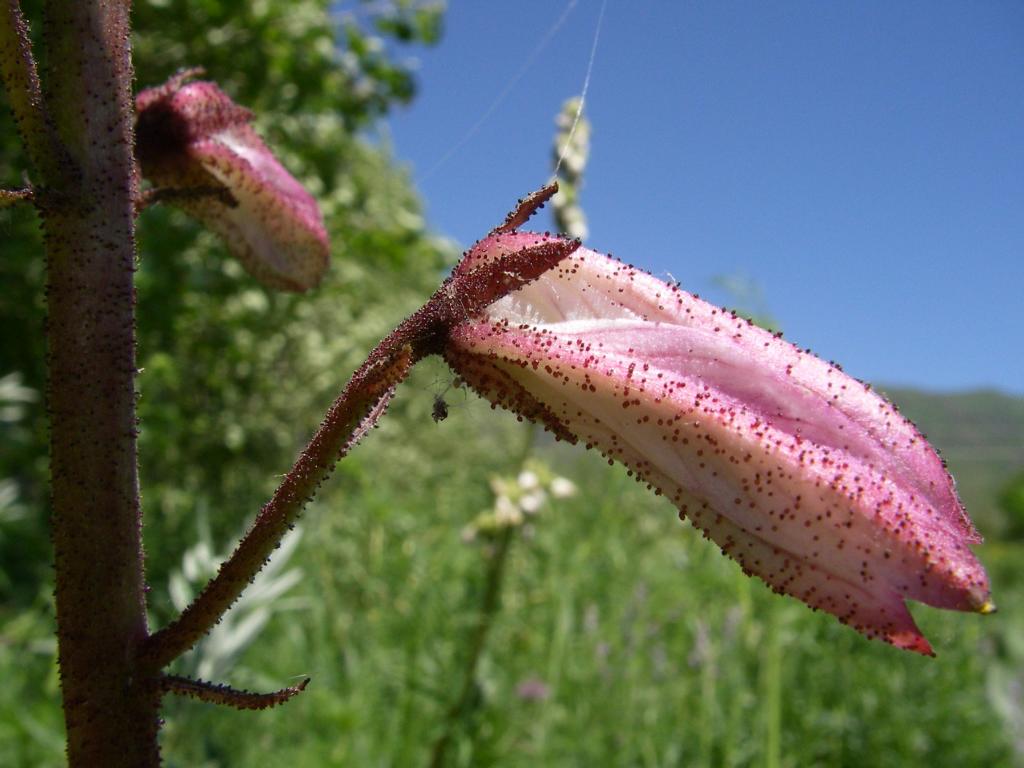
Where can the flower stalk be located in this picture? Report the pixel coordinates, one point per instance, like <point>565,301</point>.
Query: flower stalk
<point>111,701</point>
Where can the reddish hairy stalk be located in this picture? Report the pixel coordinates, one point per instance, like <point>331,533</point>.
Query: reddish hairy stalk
<point>365,396</point>
<point>356,410</point>
<point>227,696</point>
<point>110,703</point>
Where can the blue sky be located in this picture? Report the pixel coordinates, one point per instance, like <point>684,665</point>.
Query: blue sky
<point>861,163</point>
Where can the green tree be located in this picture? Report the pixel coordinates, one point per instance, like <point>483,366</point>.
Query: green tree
<point>227,364</point>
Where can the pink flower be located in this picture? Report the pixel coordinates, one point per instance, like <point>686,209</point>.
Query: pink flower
<point>803,475</point>
<point>193,137</point>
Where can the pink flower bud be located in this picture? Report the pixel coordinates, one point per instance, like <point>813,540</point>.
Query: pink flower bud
<point>803,475</point>
<point>193,137</point>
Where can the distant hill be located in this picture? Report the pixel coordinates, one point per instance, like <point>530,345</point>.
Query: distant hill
<point>981,436</point>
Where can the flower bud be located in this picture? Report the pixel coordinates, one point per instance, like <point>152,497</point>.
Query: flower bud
<point>193,137</point>
<point>803,475</point>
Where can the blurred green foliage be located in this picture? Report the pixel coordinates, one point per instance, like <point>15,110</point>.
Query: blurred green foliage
<point>1012,502</point>
<point>652,649</point>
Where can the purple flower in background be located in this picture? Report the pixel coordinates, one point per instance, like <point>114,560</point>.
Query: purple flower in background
<point>191,136</point>
<point>800,473</point>
<point>533,689</point>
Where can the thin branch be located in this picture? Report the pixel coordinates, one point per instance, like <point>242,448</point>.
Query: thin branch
<point>9,197</point>
<point>21,80</point>
<point>227,696</point>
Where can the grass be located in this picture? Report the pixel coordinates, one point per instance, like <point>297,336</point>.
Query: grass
<point>651,647</point>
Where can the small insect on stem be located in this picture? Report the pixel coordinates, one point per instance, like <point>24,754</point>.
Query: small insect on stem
<point>440,410</point>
